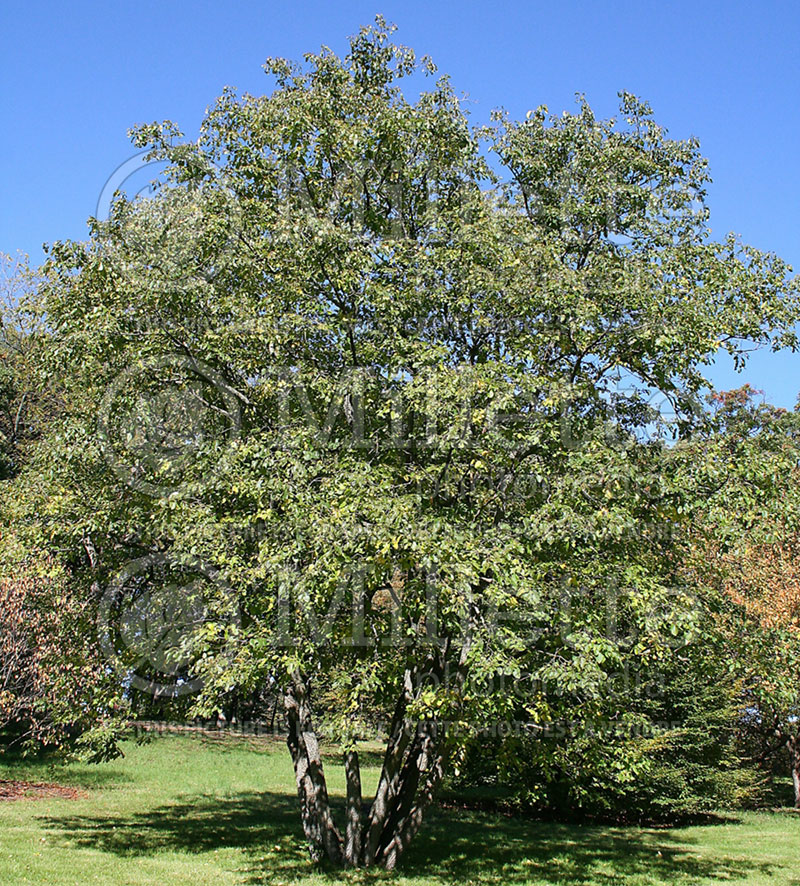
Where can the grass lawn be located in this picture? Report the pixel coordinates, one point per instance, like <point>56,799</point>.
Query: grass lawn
<point>198,810</point>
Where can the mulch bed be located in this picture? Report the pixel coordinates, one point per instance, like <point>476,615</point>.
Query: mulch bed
<point>26,790</point>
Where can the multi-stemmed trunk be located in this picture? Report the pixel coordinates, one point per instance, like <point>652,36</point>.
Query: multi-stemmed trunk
<point>411,773</point>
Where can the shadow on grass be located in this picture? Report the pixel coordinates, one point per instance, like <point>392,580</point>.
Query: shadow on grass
<point>86,776</point>
<point>491,849</point>
<point>454,848</point>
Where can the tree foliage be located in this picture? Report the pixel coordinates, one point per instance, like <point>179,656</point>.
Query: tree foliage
<point>367,414</point>
<point>748,535</point>
<point>52,677</point>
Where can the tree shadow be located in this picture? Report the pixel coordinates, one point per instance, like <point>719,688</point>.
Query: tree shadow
<point>486,848</point>
<point>200,823</point>
<point>457,847</point>
<point>86,776</point>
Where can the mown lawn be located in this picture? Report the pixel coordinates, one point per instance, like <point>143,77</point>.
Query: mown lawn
<point>191,809</point>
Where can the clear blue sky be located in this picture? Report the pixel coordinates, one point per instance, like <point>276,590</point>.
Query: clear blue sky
<point>75,76</point>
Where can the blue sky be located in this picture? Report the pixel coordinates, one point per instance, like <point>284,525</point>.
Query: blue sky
<point>75,76</point>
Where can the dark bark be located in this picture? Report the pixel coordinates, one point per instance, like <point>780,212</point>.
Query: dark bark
<point>412,771</point>
<point>410,776</point>
<point>406,790</point>
<point>353,830</point>
<point>419,780</point>
<point>324,840</point>
<point>410,825</point>
<point>400,735</point>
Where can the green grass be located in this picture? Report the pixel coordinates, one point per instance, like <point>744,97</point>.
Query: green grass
<point>188,809</point>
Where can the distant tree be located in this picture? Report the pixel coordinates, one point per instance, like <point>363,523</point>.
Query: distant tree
<point>51,674</point>
<point>751,525</point>
<point>764,580</point>
<point>27,401</point>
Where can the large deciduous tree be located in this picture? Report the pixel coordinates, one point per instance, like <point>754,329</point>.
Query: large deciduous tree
<point>376,411</point>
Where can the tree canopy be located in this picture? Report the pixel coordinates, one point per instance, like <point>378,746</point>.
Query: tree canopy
<point>362,398</point>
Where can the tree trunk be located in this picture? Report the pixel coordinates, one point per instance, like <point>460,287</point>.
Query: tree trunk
<point>399,738</point>
<point>353,838</point>
<point>424,764</point>
<point>324,840</point>
<point>412,771</point>
<point>793,744</point>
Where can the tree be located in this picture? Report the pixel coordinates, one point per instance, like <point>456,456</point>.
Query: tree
<point>748,523</point>
<point>27,403</point>
<point>53,686</point>
<point>372,418</point>
<point>763,580</point>
<point>660,744</point>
